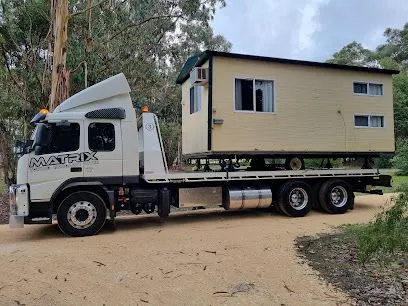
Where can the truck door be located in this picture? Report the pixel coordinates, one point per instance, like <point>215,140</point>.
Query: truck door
<point>58,156</point>
<point>104,140</point>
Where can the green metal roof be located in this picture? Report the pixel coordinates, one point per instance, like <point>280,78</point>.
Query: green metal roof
<point>191,62</point>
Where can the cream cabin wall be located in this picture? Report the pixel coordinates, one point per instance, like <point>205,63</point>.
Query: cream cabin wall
<point>195,126</point>
<point>315,110</point>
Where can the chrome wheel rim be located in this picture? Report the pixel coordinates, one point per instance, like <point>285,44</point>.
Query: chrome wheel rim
<point>338,196</point>
<point>298,198</point>
<point>81,214</point>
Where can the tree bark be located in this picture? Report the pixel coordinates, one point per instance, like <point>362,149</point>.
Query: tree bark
<point>7,160</point>
<point>60,75</point>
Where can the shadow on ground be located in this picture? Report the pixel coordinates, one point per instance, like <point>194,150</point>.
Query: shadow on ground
<point>131,222</point>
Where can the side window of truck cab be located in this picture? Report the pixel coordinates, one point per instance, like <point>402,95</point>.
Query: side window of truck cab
<point>104,141</point>
<point>58,137</point>
<point>101,137</point>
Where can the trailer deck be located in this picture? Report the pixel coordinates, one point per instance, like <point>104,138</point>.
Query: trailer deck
<point>184,177</point>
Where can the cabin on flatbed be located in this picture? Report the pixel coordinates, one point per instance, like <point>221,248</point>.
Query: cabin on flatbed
<point>236,105</point>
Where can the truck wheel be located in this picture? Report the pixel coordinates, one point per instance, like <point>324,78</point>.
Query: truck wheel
<point>294,163</point>
<point>336,196</point>
<point>295,198</point>
<point>81,213</point>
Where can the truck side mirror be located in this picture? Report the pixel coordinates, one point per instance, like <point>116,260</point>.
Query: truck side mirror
<point>28,146</point>
<point>42,139</point>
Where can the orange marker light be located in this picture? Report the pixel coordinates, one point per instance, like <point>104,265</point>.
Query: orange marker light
<point>44,111</point>
<point>145,109</point>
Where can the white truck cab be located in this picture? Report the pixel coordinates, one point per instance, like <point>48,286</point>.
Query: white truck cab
<point>92,157</point>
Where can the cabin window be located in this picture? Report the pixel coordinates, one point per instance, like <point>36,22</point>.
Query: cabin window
<point>376,121</point>
<point>360,88</point>
<point>101,137</point>
<point>195,99</point>
<point>254,95</point>
<point>370,89</point>
<point>375,89</point>
<point>371,121</point>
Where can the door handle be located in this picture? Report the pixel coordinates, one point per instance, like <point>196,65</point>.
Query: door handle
<point>76,169</point>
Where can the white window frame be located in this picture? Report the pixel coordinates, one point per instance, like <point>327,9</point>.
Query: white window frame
<point>254,79</point>
<point>369,121</point>
<point>368,88</point>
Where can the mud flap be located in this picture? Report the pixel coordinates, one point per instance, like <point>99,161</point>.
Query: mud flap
<point>164,203</point>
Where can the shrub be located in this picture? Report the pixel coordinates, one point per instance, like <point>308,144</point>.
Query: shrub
<point>317,162</point>
<point>171,135</point>
<point>384,161</point>
<point>387,233</point>
<point>400,160</point>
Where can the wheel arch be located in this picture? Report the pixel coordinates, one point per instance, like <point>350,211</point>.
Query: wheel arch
<point>68,188</point>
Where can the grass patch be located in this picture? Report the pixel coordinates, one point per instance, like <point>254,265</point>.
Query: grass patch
<point>398,183</point>
<point>373,283</point>
<point>387,234</point>
<point>368,261</point>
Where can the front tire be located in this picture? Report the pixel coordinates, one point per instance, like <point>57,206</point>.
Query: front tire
<point>82,213</point>
<point>295,198</point>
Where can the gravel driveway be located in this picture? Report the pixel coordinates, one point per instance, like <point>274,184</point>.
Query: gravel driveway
<point>209,257</point>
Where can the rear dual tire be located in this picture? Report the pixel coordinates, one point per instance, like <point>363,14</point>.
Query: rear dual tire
<point>335,197</point>
<point>295,199</point>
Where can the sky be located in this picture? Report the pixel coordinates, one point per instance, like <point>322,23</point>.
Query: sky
<point>306,29</point>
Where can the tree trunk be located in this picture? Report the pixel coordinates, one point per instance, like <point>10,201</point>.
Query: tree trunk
<point>8,163</point>
<point>60,75</point>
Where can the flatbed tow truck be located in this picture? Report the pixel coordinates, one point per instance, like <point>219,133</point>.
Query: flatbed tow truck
<point>93,157</point>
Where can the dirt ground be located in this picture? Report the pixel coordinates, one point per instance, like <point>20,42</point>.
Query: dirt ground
<point>206,257</point>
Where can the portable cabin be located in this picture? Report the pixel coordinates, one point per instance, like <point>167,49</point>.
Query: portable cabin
<point>242,105</point>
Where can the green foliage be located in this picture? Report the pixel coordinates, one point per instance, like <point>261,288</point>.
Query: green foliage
<point>353,54</point>
<point>312,163</point>
<point>387,234</point>
<point>400,160</point>
<point>384,161</point>
<point>147,40</point>
<point>395,46</point>
<point>400,83</point>
<point>171,135</point>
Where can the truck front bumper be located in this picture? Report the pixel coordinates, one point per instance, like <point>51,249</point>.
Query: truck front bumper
<point>19,205</point>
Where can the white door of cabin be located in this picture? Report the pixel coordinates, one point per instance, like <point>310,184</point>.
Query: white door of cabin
<point>58,156</point>
<point>104,140</point>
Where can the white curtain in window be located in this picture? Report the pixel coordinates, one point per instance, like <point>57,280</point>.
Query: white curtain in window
<point>376,89</point>
<point>267,95</point>
<point>238,94</point>
<point>376,121</point>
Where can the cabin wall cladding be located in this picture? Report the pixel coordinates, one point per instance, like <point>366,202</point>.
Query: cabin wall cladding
<point>315,110</point>
<point>195,125</point>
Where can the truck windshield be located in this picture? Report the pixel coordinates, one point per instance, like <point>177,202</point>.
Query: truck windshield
<point>56,138</point>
